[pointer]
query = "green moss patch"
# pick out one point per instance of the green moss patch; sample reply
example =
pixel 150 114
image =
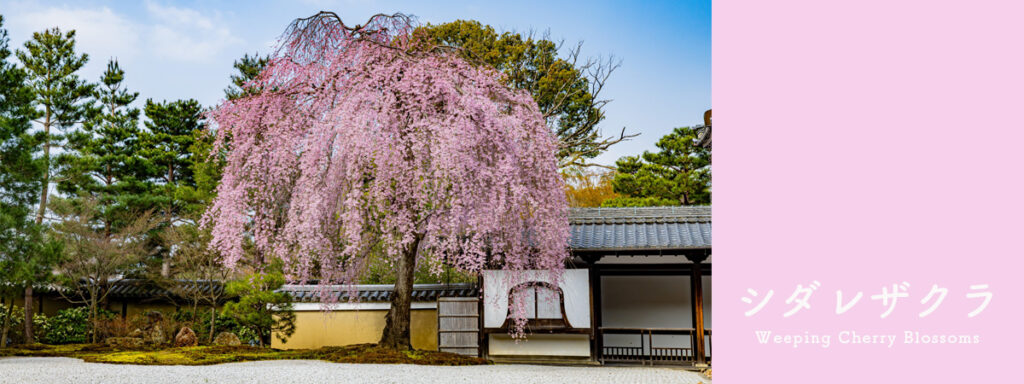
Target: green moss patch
pixel 372 354
pixel 206 355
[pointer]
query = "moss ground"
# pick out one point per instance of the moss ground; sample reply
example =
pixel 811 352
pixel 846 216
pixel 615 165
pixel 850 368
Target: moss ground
pixel 206 355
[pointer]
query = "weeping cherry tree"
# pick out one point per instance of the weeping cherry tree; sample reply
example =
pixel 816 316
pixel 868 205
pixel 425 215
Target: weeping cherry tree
pixel 366 139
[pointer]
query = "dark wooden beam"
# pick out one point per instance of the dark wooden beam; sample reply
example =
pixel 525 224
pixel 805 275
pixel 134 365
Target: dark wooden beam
pixel 697 300
pixel 688 252
pixel 483 341
pixel 591 258
pixel 595 314
pixel 650 269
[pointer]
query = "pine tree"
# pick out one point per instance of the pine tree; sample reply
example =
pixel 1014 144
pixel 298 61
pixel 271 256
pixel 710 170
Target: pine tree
pixel 173 128
pixel 52 63
pixel 248 68
pixel 20 176
pixel 678 174
pixel 108 167
pixel 207 168
pixel 63 100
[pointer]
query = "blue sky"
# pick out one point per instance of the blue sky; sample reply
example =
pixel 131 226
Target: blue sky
pixel 184 49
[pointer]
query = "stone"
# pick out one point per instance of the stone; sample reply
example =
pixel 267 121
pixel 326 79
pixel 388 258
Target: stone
pixel 125 342
pixel 156 335
pixel 227 339
pixel 137 333
pixel 154 316
pixel 186 338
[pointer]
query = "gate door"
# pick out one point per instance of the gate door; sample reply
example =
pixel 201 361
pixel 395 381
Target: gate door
pixel 458 325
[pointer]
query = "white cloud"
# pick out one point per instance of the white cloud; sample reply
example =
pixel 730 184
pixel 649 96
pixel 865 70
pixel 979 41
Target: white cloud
pixel 168 32
pixel 101 32
pixel 186 34
pixel 325 4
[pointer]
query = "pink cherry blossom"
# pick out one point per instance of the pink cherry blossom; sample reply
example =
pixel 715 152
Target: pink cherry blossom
pixel 362 141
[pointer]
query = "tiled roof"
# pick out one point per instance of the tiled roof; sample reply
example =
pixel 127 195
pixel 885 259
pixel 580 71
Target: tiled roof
pixel 132 288
pixel 143 289
pixel 646 228
pixel 380 292
pixel 146 289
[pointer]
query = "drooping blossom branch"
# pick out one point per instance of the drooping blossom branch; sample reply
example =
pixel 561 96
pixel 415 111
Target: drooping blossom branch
pixel 360 139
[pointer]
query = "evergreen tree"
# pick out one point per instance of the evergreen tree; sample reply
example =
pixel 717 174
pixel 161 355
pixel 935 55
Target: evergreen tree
pixel 62 101
pixel 52 65
pixel 248 68
pixel 679 174
pixel 206 168
pixel 173 128
pixel 20 178
pixel 108 167
pixel 20 174
pixel 261 307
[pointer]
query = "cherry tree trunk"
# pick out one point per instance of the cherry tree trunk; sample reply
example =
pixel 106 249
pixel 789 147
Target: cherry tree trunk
pixel 397 328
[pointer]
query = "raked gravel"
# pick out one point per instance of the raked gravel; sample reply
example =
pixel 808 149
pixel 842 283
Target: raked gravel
pixel 59 370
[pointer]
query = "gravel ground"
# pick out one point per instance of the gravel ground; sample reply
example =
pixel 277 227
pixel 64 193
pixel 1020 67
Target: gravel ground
pixel 58 370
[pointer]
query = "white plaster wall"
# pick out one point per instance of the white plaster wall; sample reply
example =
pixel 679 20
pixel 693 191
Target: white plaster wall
pixel 575 285
pixel 650 302
pixel 346 306
pixel 540 345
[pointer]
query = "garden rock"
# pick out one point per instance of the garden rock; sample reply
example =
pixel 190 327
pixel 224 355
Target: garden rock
pixel 227 339
pixel 156 335
pixel 186 338
pixel 154 317
pixel 124 342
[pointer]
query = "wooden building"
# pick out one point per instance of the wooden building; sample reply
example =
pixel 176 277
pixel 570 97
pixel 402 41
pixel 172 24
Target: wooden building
pixel 638 291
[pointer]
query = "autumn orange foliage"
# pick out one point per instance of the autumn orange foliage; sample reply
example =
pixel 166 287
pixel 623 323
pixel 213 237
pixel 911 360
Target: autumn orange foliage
pixel 588 187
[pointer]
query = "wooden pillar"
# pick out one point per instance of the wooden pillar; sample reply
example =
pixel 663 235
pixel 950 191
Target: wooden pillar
pixel 595 313
pixel 697 300
pixel 483 340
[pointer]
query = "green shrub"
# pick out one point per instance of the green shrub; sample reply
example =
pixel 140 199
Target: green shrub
pixel 260 310
pixel 69 326
pixel 39 321
pixel 15 330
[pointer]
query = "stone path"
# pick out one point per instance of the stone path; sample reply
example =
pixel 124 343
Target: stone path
pixel 59 370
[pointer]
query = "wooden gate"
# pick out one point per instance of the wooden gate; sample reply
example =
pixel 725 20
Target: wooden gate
pixel 458 325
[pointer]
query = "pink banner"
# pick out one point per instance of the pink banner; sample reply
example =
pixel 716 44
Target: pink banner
pixel 868 193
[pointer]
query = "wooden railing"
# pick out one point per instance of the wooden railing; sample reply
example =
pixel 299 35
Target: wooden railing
pixel 648 349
